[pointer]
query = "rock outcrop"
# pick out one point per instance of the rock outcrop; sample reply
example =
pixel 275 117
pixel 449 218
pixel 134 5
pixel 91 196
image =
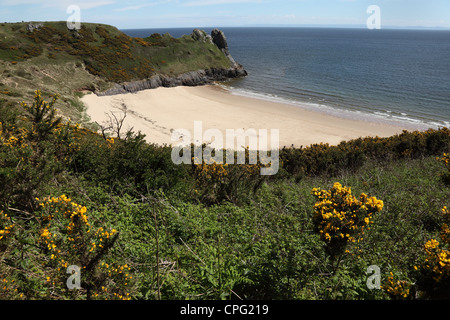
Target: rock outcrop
pixel 219 39
pixel 200 35
pixel 34 26
pixel 192 78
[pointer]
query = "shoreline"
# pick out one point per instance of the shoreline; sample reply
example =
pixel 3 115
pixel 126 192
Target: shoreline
pixel 158 112
pixel 409 124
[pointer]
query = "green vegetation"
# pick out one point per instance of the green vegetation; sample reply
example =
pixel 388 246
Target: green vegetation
pixel 93 58
pixel 140 227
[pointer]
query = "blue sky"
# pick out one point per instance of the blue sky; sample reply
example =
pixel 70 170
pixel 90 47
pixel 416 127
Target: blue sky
pixel 222 13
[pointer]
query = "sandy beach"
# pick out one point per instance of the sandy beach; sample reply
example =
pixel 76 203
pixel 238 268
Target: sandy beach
pixel 159 112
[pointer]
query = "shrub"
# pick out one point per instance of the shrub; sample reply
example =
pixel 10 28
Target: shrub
pixel 434 272
pixel 323 159
pixel 42 116
pixel 67 237
pixel 397 289
pixel 340 218
pixel 218 182
pixel 446 161
pixel 5 225
pixel 127 165
pixel 59 234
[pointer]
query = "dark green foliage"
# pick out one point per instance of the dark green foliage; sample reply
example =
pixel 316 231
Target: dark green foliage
pixel 217 243
pixel 127 165
pixel 349 155
pixel 31 150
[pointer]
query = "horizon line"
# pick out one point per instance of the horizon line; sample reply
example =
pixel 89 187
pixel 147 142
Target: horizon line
pixel 331 26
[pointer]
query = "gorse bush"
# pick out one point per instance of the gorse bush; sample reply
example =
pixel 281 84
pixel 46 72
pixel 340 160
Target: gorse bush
pixel 217 182
pixel 60 235
pixel 67 237
pixel 340 218
pixel 33 149
pixel 445 159
pixel 324 159
pixel 397 289
pixel 6 225
pixel 40 239
pixel 434 271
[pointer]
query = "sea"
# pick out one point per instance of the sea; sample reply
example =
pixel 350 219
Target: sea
pixel 397 76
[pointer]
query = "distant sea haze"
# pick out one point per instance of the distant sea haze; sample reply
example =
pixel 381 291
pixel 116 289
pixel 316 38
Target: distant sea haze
pixel 375 75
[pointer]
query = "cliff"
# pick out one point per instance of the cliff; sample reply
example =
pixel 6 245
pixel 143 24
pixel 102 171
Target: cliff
pixel 191 78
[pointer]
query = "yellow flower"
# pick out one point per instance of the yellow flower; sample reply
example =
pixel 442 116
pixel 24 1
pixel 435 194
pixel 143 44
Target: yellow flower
pixel 431 244
pixel 45 234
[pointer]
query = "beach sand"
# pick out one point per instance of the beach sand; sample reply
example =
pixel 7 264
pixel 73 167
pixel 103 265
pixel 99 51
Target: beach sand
pixel 159 112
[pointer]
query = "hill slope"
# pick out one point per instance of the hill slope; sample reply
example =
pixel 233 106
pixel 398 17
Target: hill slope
pixel 98 57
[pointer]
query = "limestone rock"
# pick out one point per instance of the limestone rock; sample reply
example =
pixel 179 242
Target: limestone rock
pixel 219 39
pixel 34 26
pixel 200 35
pixel 192 78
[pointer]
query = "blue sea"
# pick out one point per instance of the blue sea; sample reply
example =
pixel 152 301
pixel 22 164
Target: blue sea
pixel 375 75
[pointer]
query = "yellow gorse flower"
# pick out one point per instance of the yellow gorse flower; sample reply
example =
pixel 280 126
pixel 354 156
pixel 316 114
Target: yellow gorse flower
pixel 5 225
pixel 437 259
pixel 67 236
pixel 340 217
pixel 74 213
pixel 399 288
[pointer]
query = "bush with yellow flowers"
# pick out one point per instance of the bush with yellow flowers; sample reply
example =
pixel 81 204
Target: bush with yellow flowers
pixel 33 149
pixel 67 238
pixel 5 226
pixel 341 218
pixel 42 115
pixel 397 289
pixel 217 182
pixel 16 163
pixel 434 272
pixel 445 159
pixel 332 159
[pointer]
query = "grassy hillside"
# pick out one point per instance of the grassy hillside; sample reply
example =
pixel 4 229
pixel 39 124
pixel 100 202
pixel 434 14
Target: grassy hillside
pixel 58 60
pixel 140 227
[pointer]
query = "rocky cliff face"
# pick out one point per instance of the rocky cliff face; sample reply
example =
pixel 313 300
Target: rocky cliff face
pixel 219 39
pixel 193 78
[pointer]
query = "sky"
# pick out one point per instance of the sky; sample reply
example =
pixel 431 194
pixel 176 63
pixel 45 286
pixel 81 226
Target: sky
pixel 134 14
